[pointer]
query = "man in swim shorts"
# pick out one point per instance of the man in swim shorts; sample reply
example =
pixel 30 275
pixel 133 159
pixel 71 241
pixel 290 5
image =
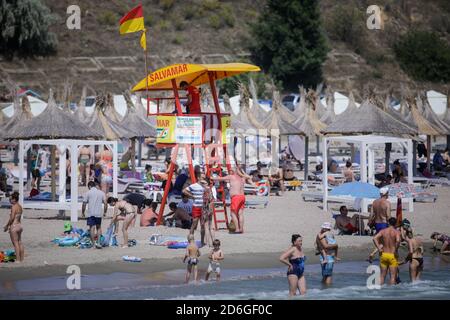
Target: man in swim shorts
pixel 236 180
pixel 387 242
pixel 381 210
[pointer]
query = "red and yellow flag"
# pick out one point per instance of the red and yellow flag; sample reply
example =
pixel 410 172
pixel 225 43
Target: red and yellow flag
pixel 133 21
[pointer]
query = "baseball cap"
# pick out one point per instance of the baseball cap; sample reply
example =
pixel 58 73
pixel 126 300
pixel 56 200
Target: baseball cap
pixel 326 225
pixel 406 223
pixel 384 190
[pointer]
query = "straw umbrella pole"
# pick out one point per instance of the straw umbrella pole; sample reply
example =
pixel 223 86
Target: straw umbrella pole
pixel 80 112
pixel 310 125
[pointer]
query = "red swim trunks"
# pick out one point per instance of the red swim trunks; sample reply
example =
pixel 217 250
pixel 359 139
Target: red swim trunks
pixel 196 212
pixel 237 203
pixel 351 228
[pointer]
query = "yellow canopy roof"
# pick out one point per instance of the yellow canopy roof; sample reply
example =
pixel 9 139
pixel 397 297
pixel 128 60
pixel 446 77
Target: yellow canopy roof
pixel 194 74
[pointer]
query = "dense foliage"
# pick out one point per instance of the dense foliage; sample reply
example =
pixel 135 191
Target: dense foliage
pixel 24 28
pixel 289 43
pixel 424 56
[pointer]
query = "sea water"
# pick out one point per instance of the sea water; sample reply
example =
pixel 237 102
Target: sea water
pixel 349 282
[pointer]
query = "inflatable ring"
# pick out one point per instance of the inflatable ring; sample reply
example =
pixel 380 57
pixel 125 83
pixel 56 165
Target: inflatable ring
pixel 262 188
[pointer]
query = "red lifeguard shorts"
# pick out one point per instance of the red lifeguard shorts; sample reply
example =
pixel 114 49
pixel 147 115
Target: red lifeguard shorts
pixel 237 203
pixel 196 212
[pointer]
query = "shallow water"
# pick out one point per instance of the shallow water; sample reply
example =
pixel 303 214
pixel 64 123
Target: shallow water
pixel 349 282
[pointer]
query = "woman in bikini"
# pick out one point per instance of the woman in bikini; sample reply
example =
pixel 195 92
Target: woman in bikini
pixel 84 160
pixel 15 227
pixel 415 254
pixel 207 211
pixel 294 258
pixel 123 211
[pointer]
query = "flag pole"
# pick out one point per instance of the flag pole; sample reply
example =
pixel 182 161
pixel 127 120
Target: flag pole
pixel 146 86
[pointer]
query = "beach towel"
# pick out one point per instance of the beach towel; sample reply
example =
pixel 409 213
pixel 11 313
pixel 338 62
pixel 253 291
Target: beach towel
pixel 160 240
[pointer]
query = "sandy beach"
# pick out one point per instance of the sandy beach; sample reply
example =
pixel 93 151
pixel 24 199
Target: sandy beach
pixel 268 231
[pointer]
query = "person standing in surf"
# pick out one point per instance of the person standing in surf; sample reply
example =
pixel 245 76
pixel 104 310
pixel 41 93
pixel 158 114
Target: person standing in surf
pixel 328 248
pixel 294 258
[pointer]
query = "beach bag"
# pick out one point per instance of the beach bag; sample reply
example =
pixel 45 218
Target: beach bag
pixel 109 238
pixel 231 226
pixel 85 243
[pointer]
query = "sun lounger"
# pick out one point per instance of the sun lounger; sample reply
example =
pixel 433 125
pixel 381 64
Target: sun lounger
pixel 126 185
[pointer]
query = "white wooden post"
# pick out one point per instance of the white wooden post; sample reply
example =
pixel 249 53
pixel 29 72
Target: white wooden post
pixel 62 148
pixel 115 167
pixel 325 175
pixel 21 169
pixel 74 182
pixel 363 161
pixel 410 161
pixel 371 165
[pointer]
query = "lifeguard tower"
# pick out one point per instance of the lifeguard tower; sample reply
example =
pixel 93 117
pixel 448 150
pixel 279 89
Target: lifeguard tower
pixel 206 130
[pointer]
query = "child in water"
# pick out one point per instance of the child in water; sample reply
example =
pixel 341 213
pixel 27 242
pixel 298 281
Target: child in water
pixel 192 254
pixel 215 257
pixel 321 250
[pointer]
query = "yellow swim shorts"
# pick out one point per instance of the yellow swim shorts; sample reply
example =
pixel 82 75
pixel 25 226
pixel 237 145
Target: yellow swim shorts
pixel 388 260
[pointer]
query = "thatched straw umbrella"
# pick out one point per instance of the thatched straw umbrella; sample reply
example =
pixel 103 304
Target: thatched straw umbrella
pixel 282 111
pixel 80 112
pixel 368 119
pixel 245 121
pixel 329 115
pixel 101 123
pixel 430 115
pixel 53 123
pixel 300 110
pixel 138 124
pixel 256 109
pixel 310 125
pixel 22 112
pixel 110 109
pixel 417 119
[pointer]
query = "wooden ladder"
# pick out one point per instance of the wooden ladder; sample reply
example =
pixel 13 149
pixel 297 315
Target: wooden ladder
pixel 220 205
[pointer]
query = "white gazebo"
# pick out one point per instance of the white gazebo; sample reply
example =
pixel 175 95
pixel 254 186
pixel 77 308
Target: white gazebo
pixel 64 145
pixel 367 158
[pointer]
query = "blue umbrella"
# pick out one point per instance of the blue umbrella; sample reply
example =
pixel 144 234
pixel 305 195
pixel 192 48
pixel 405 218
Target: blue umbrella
pixel 357 190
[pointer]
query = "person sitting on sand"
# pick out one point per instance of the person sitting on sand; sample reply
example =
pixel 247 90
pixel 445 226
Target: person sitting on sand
pixel 348 172
pixel 14 226
pixel 148 173
pixel 397 174
pixel 276 180
pixel 123 211
pixel 328 248
pixel 385 182
pixel 192 254
pixel 436 236
pixel 256 174
pixel 149 216
pixel 215 256
pixel 347 225
pixel 294 258
pixel 181 217
pixel 186 204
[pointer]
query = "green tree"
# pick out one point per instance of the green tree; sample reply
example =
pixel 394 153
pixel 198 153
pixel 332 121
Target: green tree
pixel 424 56
pixel 289 43
pixel 24 29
